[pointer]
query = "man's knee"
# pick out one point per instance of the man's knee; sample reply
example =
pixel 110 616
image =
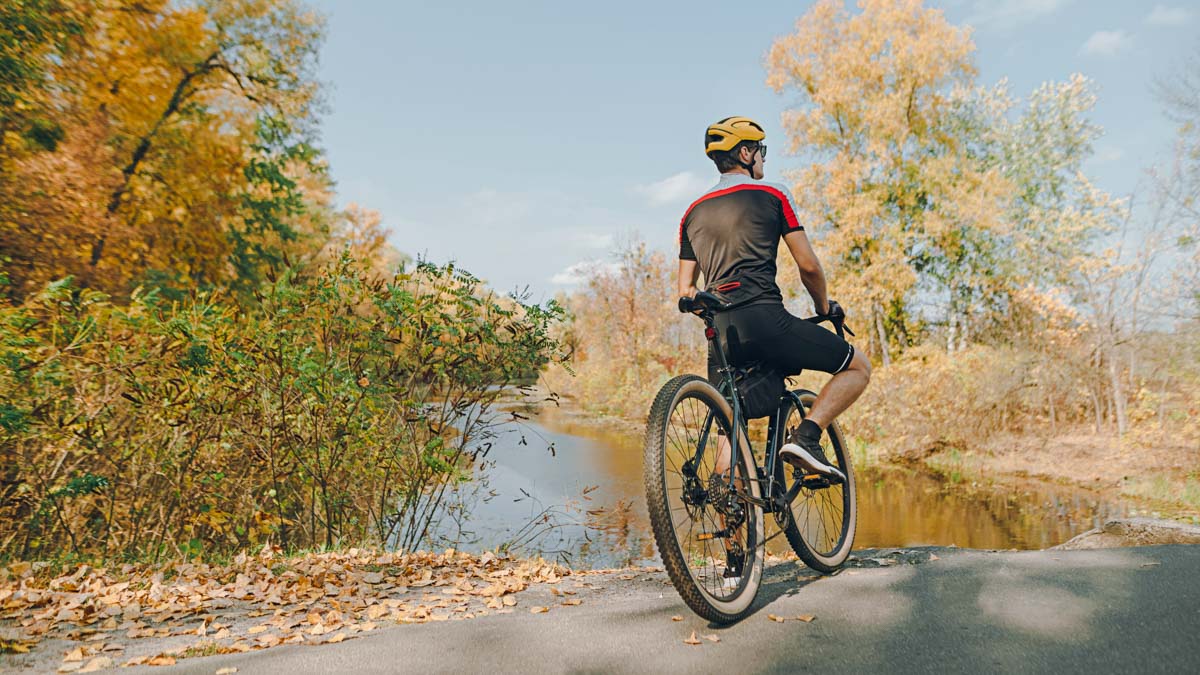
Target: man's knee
pixel 860 363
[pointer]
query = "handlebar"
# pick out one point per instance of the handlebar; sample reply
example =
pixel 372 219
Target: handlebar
pixel 705 304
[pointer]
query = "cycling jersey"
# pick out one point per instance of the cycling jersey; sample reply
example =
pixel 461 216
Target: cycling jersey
pixel 733 234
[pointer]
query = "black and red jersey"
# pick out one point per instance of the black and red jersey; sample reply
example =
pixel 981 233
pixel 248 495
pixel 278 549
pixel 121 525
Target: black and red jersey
pixel 733 234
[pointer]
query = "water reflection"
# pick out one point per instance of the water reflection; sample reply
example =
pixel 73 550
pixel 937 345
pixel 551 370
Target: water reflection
pixel 584 501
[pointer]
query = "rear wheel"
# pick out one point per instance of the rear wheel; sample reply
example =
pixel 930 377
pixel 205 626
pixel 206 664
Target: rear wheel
pixel 700 526
pixel 822 518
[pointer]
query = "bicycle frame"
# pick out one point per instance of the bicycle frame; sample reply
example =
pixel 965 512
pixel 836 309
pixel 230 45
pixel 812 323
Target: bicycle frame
pixel 775 431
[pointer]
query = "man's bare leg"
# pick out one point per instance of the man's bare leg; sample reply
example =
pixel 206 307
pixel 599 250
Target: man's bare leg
pixel 724 450
pixel 841 390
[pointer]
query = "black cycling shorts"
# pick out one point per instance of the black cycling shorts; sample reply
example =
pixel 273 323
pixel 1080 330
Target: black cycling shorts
pixel 768 333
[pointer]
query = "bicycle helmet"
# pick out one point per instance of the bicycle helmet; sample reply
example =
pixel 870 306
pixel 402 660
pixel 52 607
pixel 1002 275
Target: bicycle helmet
pixel 725 135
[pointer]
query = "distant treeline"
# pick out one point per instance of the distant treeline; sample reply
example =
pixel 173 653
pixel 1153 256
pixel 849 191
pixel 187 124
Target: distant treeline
pixel 995 284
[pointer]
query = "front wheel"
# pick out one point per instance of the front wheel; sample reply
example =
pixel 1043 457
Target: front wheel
pixel 710 537
pixel 822 518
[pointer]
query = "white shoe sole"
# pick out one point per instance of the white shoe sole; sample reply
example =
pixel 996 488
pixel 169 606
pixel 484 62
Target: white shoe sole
pixel 798 456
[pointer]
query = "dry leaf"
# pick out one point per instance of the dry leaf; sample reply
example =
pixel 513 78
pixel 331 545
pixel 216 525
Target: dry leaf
pixel 677 618
pixel 98 663
pixel 510 601
pixel 933 556
pixel 70 667
pixel 376 611
pixel 261 628
pixel 572 602
pixel 538 610
pixel 336 638
pixel 227 670
pixel 712 638
pixel 161 660
pixel 778 619
pixel 806 618
pixel 74 655
pixel 692 640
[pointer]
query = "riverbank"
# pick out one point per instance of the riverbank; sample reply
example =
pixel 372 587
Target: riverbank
pixel 1150 474
pixel 1161 478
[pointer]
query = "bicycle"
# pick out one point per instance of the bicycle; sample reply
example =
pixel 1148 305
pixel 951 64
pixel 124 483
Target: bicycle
pixel 816 514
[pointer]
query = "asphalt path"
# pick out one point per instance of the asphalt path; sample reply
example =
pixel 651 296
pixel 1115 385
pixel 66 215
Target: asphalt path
pixel 914 610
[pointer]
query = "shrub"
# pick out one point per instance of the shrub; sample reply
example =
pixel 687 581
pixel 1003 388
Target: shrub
pixel 339 411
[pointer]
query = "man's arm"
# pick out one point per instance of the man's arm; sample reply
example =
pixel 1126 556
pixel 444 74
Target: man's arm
pixel 811 272
pixel 689 271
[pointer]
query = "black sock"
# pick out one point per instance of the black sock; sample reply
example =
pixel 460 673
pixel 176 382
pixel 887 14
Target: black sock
pixel 810 430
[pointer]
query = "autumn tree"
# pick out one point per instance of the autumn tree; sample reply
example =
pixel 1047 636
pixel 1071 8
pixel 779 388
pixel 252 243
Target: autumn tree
pixel 892 191
pixel 182 128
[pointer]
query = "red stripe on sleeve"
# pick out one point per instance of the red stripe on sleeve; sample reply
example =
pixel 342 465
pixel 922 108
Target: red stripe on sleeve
pixel 786 205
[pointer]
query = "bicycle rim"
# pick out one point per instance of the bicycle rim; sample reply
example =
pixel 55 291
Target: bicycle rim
pixel 823 519
pixel 690 510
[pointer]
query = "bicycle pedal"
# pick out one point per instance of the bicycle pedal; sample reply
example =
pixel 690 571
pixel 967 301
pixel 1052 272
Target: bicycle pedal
pixel 707 536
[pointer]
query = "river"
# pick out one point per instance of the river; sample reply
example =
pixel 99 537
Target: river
pixel 573 491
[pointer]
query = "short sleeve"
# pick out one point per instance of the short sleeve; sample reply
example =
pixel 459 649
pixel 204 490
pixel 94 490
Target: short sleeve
pixel 789 219
pixel 685 244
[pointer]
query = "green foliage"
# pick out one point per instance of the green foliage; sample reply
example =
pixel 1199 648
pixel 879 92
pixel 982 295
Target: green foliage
pixel 338 412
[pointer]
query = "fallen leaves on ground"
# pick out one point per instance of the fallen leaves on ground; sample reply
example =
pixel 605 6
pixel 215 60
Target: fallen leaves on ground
pixel 712 638
pixel 806 618
pixel 312 599
pixel 778 619
pixel 677 618
pixel 692 640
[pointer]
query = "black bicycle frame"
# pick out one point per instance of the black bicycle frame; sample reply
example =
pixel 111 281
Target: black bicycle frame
pixel 775 430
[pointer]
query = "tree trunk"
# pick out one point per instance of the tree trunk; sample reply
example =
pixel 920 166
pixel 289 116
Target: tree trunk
pixel 1118 397
pixel 881 332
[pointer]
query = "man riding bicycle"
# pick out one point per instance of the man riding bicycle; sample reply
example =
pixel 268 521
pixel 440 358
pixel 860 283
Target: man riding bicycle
pixel 731 235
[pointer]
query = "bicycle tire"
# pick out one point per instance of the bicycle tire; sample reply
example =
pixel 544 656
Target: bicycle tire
pixel 693 585
pixel 814 542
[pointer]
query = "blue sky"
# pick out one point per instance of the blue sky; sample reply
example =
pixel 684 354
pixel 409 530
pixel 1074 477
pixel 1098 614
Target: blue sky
pixel 523 138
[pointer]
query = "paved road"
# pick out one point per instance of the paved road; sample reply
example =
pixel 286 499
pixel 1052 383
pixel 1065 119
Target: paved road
pixel 1127 610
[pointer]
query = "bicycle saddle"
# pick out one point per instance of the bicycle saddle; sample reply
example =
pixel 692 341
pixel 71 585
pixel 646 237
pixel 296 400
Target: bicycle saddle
pixel 704 302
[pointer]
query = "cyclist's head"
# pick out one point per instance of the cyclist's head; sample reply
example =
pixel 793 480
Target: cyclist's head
pixel 736 142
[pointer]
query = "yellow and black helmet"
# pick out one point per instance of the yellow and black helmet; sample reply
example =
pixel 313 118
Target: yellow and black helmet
pixel 726 134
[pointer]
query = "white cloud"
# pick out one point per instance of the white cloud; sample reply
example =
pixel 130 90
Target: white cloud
pixel 1106 43
pixel 1162 15
pixel 580 271
pixel 1008 13
pixel 682 186
pixel 1109 153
